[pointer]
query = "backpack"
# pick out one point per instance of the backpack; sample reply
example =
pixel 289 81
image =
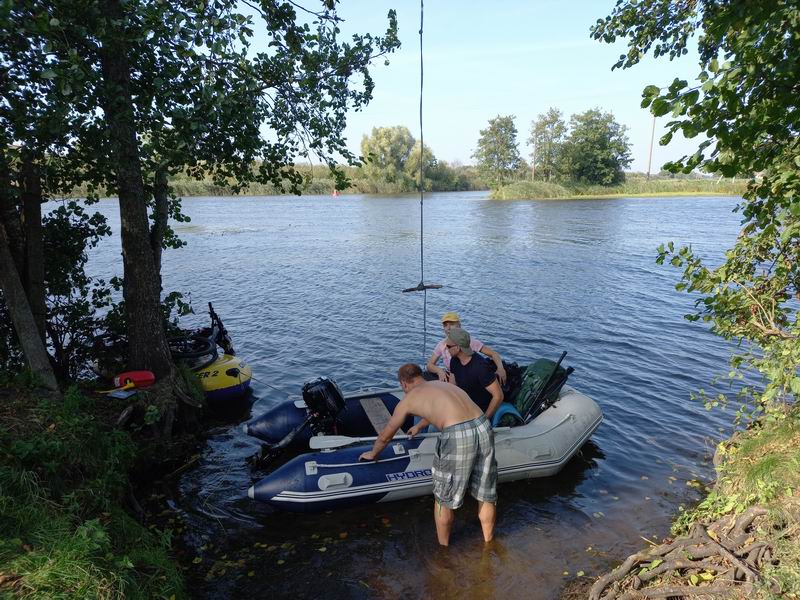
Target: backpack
pixel 529 399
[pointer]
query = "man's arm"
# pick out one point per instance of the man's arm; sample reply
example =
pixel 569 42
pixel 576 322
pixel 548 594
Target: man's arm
pixel 432 368
pixel 385 436
pixel 497 397
pixel 497 360
pixel 423 423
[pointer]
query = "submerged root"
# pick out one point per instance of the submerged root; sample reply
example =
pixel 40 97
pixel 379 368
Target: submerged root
pixel 722 559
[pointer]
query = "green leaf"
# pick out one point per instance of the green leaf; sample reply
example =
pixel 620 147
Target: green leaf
pixel 651 90
pixel 660 107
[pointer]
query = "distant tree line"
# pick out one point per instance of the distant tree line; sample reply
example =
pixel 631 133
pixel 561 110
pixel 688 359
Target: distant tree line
pixel 591 150
pixel 392 160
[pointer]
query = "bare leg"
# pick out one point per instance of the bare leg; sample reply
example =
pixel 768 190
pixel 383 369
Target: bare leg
pixel 443 517
pixel 487 513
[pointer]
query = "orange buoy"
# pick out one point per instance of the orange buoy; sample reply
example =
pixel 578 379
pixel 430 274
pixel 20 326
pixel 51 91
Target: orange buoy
pixel 139 379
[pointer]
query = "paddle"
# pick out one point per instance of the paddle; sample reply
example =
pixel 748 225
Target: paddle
pixel 325 442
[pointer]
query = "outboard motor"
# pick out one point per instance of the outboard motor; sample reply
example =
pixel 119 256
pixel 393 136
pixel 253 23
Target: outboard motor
pixel 325 401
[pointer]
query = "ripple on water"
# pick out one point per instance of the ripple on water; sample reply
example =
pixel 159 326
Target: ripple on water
pixel 311 286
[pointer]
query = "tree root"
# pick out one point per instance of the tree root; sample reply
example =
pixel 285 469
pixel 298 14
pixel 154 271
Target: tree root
pixel 720 560
pixel 683 591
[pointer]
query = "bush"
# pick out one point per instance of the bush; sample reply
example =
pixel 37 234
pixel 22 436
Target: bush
pixel 64 532
pixel 532 190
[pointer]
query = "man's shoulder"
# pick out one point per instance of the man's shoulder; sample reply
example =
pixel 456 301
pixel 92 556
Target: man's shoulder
pixel 439 348
pixel 424 389
pixel 480 362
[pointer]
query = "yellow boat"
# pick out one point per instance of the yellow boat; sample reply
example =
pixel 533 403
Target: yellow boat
pixel 223 376
pixel 226 378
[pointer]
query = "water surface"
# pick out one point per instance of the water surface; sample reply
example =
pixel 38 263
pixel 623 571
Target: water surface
pixel 312 286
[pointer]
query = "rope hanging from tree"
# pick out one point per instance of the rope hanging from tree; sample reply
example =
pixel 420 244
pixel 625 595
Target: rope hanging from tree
pixel 422 286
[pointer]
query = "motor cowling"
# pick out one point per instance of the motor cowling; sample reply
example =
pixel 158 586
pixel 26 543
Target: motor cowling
pixel 325 401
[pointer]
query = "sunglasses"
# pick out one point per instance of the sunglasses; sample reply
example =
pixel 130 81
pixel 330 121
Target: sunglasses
pixel 451 346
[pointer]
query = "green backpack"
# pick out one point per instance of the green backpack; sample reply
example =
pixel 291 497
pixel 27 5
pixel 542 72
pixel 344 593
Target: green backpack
pixel 533 381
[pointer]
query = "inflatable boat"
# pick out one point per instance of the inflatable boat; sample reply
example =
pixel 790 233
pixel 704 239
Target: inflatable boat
pixel 338 430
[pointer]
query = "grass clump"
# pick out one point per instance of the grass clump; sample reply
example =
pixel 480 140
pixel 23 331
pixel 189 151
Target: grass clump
pixel 65 534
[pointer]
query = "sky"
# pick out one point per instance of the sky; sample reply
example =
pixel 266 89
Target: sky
pixel 484 59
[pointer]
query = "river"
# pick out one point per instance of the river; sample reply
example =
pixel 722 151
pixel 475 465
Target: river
pixel 312 286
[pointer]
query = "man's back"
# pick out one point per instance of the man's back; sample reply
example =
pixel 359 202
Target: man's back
pixel 442 404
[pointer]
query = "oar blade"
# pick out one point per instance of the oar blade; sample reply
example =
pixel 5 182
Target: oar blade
pixel 325 442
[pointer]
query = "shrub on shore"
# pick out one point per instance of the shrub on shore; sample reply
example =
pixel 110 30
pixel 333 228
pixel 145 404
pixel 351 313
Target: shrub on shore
pixel 63 475
pixel 534 190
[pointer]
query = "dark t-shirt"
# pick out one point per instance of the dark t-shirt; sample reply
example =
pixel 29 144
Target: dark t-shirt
pixel 474 377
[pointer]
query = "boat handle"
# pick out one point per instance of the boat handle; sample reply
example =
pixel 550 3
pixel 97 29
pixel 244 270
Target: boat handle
pixel 568 417
pixel 360 463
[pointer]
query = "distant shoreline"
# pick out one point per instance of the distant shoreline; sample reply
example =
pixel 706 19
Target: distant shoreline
pixel 632 188
pixel 623 195
pixel 521 190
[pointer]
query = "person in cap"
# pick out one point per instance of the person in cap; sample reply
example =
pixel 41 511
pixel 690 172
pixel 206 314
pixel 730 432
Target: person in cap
pixel 451 319
pixel 473 373
pixel 464 457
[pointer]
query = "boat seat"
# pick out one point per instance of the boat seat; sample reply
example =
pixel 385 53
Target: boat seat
pixel 376 412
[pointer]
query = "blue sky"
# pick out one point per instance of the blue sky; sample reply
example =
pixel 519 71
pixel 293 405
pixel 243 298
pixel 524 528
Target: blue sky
pixel 484 59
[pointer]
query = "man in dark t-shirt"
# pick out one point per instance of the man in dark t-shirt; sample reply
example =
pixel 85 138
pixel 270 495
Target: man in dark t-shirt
pixel 473 373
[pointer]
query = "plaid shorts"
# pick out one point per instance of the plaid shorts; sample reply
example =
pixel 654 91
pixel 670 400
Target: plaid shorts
pixel 465 457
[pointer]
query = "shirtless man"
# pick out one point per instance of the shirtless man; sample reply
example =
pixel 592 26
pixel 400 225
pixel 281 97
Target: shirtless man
pixel 464 456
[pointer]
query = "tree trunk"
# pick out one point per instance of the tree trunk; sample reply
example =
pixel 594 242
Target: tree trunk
pixel 21 316
pixel 9 213
pixel 34 243
pixel 146 336
pixel 161 215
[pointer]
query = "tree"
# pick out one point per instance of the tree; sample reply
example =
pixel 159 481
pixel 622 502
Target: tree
pixel 497 154
pixel 386 151
pixel 745 102
pixel 24 322
pixel 436 177
pixel 151 88
pixel 596 150
pixel 546 140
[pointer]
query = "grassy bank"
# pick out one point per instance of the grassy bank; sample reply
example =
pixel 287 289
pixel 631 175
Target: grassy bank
pixel 64 532
pixel 743 539
pixel 539 190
